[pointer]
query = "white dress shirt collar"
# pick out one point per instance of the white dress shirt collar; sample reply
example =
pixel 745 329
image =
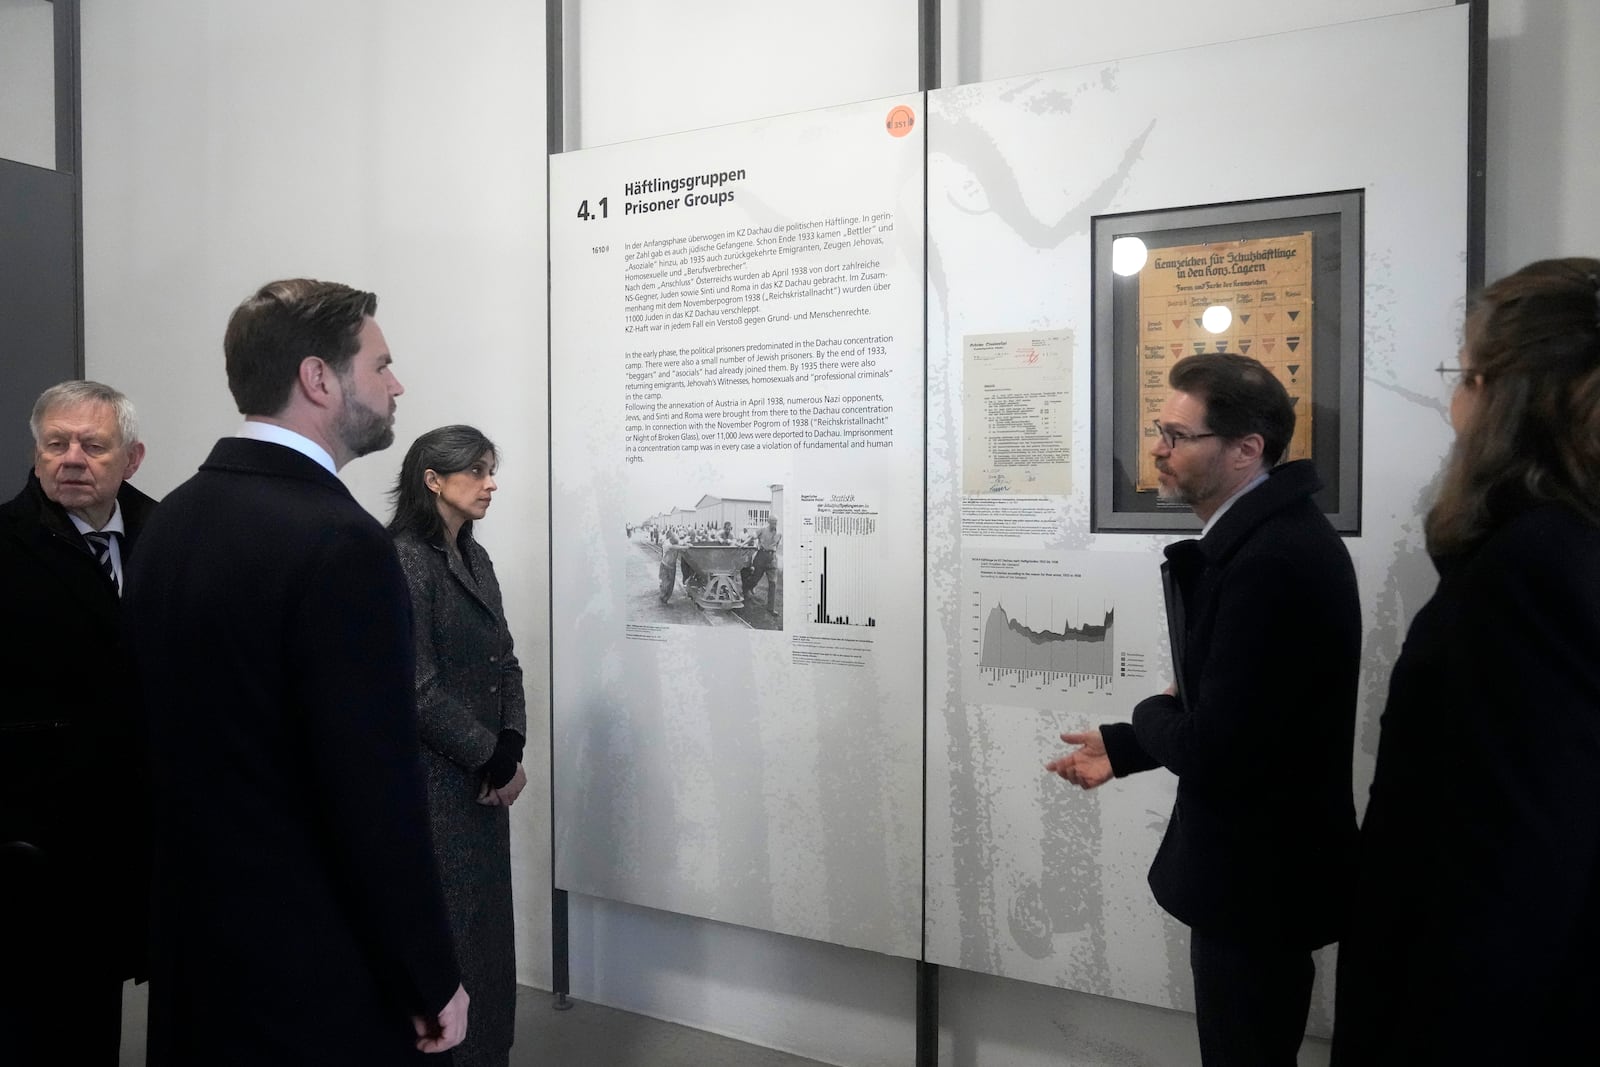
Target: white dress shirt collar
pixel 279 435
pixel 113 524
pixel 1228 503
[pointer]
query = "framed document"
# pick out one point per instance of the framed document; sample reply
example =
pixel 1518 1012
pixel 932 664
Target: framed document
pixel 1278 280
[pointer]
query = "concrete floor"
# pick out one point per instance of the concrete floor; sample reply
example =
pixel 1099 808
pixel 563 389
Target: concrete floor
pixel 586 1035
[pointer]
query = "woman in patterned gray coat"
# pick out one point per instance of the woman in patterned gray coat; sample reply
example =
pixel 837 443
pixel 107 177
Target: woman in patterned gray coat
pixel 471 715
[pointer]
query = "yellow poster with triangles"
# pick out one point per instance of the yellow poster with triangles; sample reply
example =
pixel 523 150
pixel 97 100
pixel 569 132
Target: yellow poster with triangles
pixel 1263 285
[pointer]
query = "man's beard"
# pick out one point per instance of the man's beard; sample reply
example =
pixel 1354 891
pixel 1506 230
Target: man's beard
pixel 362 430
pixel 1201 486
pixel 1170 492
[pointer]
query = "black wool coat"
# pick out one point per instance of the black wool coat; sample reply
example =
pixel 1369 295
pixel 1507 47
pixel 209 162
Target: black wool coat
pixel 1477 920
pixel 298 916
pixel 1266 630
pixel 71 756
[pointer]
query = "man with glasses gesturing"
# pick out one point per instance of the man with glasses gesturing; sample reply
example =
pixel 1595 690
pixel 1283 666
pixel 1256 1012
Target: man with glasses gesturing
pixel 1260 720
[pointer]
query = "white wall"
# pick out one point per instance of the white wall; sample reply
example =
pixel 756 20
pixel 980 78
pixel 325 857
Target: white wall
pixel 639 69
pixel 398 145
pixel 27 82
pixel 395 145
pixel 988 39
pixel 1544 157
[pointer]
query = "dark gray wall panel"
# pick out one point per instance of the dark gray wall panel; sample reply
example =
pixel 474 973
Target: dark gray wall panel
pixel 39 319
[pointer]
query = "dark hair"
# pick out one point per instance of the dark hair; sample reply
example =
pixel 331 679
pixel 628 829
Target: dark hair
pixel 1242 397
pixel 444 451
pixel 272 332
pixel 1533 356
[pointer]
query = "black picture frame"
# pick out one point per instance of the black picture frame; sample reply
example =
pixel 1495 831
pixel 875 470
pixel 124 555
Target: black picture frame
pixel 1336 223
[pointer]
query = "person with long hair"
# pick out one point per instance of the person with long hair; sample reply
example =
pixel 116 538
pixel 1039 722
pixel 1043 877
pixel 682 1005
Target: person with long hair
pixel 1477 916
pixel 471 715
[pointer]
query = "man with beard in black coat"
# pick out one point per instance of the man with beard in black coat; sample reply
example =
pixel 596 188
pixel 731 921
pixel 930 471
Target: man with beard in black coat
pixel 298 914
pixel 1259 724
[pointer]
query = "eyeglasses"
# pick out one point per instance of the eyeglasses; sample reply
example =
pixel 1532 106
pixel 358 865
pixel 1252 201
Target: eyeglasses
pixel 1173 438
pixel 1456 375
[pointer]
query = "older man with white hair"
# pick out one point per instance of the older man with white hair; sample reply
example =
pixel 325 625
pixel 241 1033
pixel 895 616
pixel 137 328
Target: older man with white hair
pixel 73 868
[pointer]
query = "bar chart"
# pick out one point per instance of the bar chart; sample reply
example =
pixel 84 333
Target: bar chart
pixel 839 559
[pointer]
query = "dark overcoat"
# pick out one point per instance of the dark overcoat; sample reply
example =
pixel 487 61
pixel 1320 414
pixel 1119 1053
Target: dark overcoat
pixel 1477 922
pixel 1266 629
pixel 71 781
pixel 469 688
pixel 298 916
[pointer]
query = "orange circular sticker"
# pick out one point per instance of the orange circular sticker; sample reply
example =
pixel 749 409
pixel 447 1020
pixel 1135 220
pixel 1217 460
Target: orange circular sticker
pixel 901 119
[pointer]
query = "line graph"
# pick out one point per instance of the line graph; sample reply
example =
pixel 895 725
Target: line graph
pixel 1083 652
pixel 1071 631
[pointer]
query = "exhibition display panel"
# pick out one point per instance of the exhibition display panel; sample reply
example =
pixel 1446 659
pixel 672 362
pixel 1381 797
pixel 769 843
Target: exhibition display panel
pixel 1267 175
pixel 736 426
pixel 850 511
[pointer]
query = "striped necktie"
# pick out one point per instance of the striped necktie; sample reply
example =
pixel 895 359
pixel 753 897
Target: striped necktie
pixel 100 542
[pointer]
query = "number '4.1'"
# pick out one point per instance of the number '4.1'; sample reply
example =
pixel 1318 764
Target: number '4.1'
pixel 585 214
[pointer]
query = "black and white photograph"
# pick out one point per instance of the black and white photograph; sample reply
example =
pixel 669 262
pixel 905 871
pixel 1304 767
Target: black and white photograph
pixel 705 549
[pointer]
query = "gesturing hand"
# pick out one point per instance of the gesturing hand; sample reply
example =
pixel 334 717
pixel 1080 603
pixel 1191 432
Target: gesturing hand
pixel 1086 766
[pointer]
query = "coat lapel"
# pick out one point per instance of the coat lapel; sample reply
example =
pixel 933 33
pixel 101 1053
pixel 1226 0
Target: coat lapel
pixel 1183 564
pixel 464 578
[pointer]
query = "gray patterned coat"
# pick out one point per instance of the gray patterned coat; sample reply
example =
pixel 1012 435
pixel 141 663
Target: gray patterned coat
pixel 469 688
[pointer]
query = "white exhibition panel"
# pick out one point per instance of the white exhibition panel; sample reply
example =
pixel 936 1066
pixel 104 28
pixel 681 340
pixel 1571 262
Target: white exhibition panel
pixel 738 346
pixel 1028 877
